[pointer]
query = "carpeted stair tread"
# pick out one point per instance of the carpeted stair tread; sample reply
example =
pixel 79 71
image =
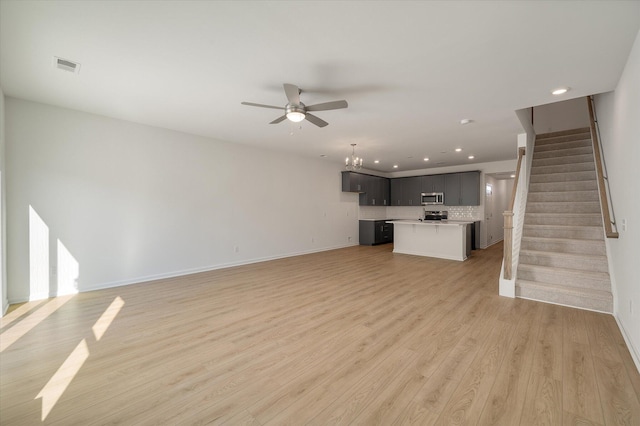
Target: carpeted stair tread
pixel 564 207
pixel 567 159
pixel 578 185
pixel 563 176
pixel 563 151
pixel 575 232
pixel 584 262
pixel 564 276
pixel 564 245
pixel 585 298
pixel 553 196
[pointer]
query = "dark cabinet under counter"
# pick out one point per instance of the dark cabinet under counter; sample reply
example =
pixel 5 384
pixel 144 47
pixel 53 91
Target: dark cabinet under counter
pixel 374 232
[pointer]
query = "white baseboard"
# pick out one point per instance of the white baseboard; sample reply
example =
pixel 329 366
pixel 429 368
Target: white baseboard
pixel 174 274
pixel 632 350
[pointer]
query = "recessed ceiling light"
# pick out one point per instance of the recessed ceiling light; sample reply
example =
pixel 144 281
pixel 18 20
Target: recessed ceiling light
pixel 560 91
pixel 466 121
pixel 458 149
pixel 471 157
pixel 426 158
pixel 395 166
pixel 376 161
pixel 323 155
pixel 512 176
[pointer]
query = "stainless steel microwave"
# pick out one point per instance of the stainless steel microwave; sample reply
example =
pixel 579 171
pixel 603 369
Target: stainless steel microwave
pixel 429 198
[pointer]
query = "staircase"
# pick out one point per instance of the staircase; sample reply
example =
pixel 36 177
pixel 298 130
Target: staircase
pixel 563 258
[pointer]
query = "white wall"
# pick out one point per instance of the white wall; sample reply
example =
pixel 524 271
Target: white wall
pixel 495 205
pixel 94 202
pixel 558 116
pixel 4 301
pixel 618 116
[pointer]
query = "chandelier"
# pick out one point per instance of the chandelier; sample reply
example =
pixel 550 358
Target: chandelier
pixel 353 162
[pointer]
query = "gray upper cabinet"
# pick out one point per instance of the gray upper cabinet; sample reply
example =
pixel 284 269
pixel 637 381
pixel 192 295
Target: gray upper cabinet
pixel 412 191
pixel 433 183
pixel 374 190
pixel 351 182
pixel 470 188
pixel 396 191
pixel 452 190
pixel 460 189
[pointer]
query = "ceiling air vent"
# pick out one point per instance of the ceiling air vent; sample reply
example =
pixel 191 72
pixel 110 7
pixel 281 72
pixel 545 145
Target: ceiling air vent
pixel 66 65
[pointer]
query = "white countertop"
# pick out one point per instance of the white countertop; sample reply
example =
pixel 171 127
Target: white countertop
pixel 430 222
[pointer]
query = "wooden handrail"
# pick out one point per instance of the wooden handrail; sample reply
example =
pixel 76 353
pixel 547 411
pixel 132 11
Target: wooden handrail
pixel 508 221
pixel 604 202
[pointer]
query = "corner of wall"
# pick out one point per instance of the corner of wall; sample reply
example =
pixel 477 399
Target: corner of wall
pixel 3 227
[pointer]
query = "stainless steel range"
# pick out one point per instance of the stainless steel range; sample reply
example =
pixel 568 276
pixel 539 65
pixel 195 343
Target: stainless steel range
pixel 436 215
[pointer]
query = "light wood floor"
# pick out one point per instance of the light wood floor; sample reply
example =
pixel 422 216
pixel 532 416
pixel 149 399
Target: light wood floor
pixel 351 336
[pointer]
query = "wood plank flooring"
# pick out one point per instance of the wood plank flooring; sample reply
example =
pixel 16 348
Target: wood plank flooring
pixel 351 336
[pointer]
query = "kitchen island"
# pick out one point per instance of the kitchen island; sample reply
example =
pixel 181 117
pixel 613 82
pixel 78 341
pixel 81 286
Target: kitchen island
pixel 442 239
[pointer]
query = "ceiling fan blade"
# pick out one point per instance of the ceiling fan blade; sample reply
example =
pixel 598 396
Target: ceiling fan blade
pixel 327 106
pixel 316 120
pixel 261 105
pixel 293 93
pixel 279 120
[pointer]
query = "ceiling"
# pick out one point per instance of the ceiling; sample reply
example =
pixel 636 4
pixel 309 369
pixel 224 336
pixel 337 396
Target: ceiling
pixel 409 70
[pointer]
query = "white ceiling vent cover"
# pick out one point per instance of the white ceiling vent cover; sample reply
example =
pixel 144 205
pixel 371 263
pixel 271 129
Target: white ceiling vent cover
pixel 66 65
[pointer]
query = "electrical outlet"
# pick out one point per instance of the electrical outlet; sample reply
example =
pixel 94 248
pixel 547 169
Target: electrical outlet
pixel 236 249
pixel 313 240
pixel 624 224
pixel 349 239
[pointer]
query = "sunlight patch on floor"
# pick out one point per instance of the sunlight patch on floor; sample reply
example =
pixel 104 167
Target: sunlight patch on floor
pixel 107 317
pixel 13 334
pixel 18 312
pixel 55 387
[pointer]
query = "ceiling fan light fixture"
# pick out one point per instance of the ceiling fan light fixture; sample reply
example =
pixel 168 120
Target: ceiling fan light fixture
pixel 295 116
pixel 295 113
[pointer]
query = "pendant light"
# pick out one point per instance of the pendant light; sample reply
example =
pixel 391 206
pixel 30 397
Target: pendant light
pixel 353 163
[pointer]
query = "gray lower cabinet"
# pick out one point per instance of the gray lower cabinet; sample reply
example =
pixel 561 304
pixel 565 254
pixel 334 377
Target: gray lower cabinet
pixel 374 232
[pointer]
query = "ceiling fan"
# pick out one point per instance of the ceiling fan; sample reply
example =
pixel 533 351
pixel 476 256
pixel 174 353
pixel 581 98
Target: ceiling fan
pixel 296 111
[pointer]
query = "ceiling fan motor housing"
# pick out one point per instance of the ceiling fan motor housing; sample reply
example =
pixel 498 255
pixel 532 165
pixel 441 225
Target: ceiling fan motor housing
pixel 295 108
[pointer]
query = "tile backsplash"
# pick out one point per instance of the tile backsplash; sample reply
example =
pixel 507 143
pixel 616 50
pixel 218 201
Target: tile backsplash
pixel 455 212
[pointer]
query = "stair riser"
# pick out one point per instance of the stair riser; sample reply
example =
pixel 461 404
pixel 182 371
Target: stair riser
pixel 561 153
pixel 581 185
pixel 582 264
pixel 542 139
pixel 567 220
pixel 569 159
pixel 563 177
pixel 545 147
pixel 603 305
pixel 563 168
pixel 558 207
pixel 584 233
pixel 566 196
pixel 565 279
pixel 576 247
